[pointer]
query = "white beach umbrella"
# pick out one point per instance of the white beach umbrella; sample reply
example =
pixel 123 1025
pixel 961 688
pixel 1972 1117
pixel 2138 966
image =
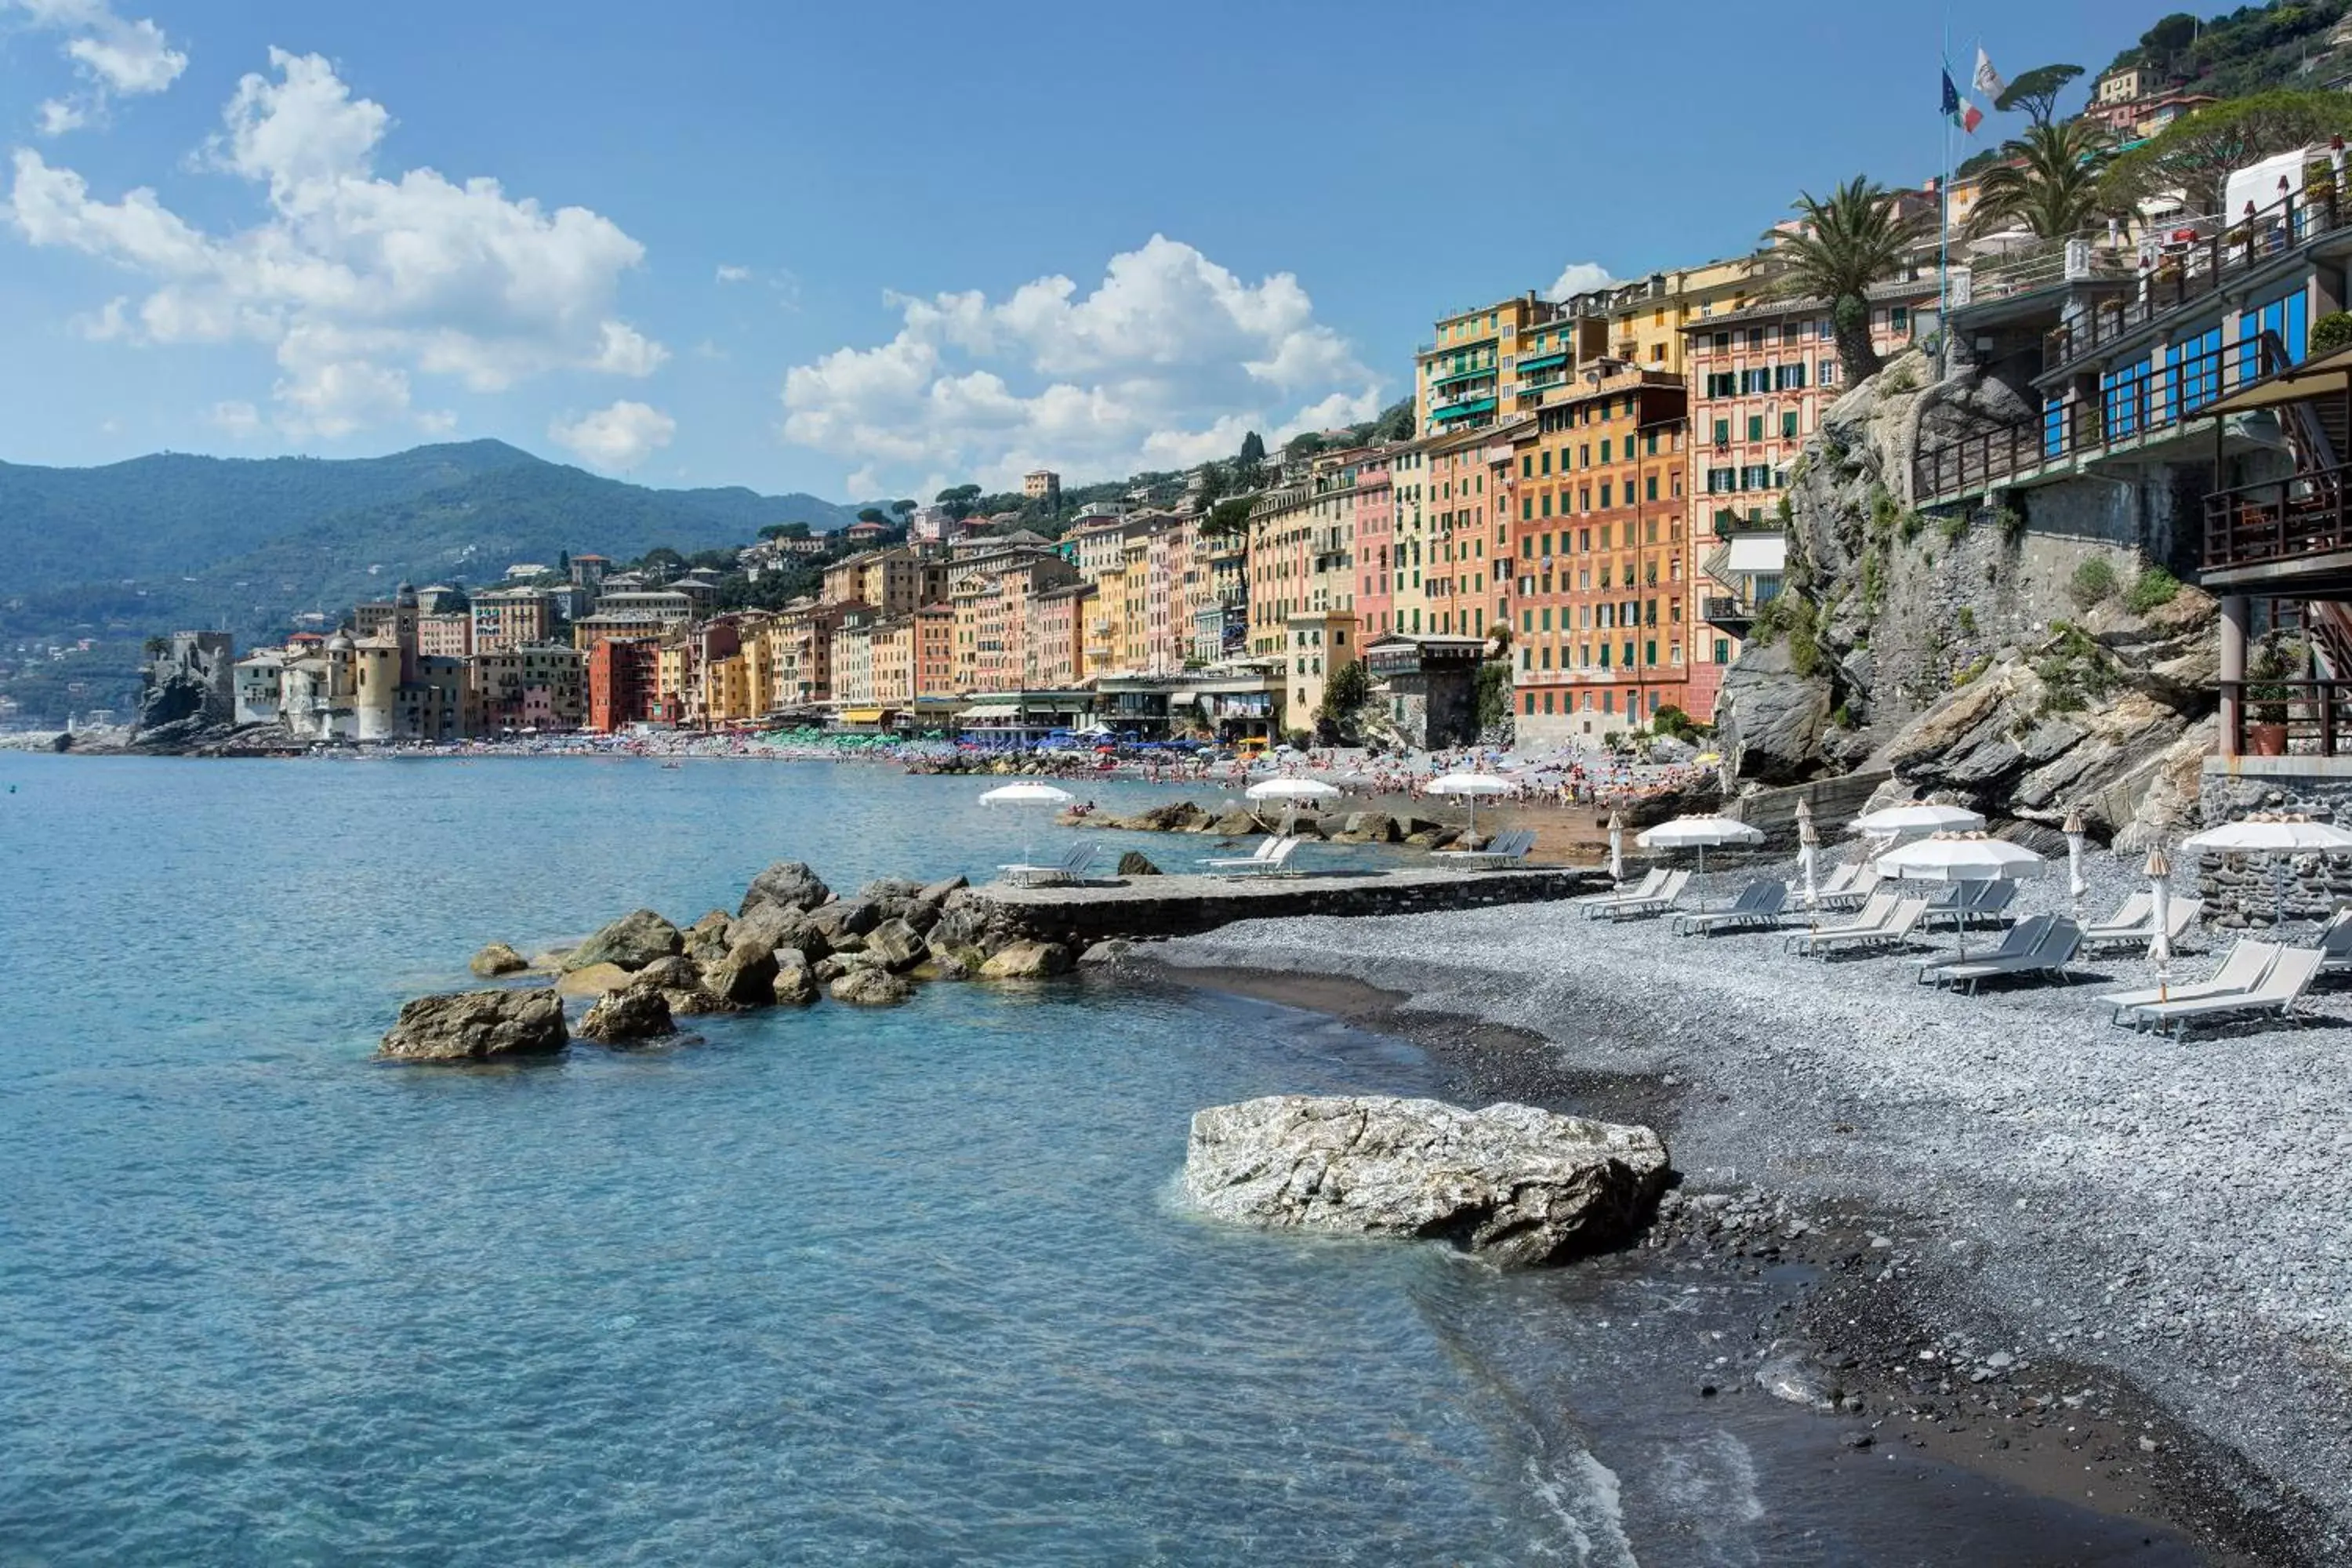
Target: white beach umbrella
pixel 2277 836
pixel 2075 886
pixel 1916 817
pixel 1960 857
pixel 1697 832
pixel 2159 901
pixel 1470 787
pixel 1291 792
pixel 1808 852
pixel 1616 847
pixel 1028 793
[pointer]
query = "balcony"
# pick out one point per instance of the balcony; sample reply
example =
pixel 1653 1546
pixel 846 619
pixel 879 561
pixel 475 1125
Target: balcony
pixel 2288 718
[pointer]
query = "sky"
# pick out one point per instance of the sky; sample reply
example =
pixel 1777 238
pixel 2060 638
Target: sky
pixel 876 250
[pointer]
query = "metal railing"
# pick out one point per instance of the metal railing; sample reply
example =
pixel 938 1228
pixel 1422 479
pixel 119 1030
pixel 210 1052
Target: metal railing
pixel 2303 514
pixel 2151 398
pixel 2299 717
pixel 2185 273
pixel 1724 610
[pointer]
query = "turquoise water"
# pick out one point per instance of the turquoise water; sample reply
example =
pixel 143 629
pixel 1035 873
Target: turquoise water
pixel 900 1287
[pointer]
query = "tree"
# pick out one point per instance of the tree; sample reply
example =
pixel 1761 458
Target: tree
pixel 959 499
pixel 1228 519
pixel 2048 180
pixel 564 560
pixel 2036 91
pixel 1855 238
pixel 903 509
pixel 662 561
pixel 1344 696
pixel 2162 44
pixel 1252 449
pixel 873 514
pixel 786 530
pixel 2196 153
pixel 1306 444
pixel 1214 483
pixel 1395 423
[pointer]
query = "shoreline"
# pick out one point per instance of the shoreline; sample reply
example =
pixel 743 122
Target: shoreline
pixel 2031 1427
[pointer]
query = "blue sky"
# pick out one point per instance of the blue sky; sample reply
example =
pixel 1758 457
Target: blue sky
pixel 872 249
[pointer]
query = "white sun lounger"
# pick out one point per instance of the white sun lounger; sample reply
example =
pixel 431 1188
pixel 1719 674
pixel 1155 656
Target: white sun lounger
pixel 1651 880
pixel 1896 929
pixel 2134 925
pixel 1875 915
pixel 1265 847
pixel 1069 868
pixel 2243 968
pixel 1859 891
pixel 2290 976
pixel 1274 864
pixel 1669 893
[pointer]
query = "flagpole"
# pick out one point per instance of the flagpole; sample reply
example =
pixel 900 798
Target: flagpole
pixel 1943 230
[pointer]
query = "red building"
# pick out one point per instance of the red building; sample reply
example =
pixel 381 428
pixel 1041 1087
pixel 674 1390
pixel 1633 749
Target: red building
pixel 621 680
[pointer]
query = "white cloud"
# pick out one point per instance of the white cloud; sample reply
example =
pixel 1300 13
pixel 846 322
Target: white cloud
pixel 358 282
pixel 1578 278
pixel 733 274
pixel 239 421
pixel 1166 362
pixel 114 56
pixel 617 438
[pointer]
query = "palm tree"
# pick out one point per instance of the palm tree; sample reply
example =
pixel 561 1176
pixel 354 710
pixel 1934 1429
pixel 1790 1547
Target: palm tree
pixel 1859 236
pixel 2047 181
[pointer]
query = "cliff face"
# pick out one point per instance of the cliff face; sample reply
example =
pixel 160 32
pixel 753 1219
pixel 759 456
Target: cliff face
pixel 2027 656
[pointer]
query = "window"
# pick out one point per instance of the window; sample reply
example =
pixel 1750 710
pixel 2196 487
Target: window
pixel 1756 427
pixel 1788 377
pixel 1604 495
pixel 1899 318
pixel 1531 702
pixel 1649 490
pixel 1788 424
pixel 1723 432
pixel 1753 381
pixel 1827 371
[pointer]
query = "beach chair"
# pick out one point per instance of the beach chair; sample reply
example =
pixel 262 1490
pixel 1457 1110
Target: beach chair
pixel 1873 915
pixel 1276 864
pixel 2290 975
pixel 1668 895
pixel 1896 929
pixel 1266 849
pixel 1967 904
pixel 2243 968
pixel 2134 925
pixel 1069 868
pixel 2336 943
pixel 2020 940
pixel 1651 880
pixel 1857 892
pixel 1840 879
pixel 1501 850
pixel 2054 945
pixel 1759 903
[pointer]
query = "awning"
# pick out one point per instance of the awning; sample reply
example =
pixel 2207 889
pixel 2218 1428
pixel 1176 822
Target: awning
pixel 1758 553
pixel 1464 410
pixel 1542 361
pixel 861 715
pixel 990 710
pixel 2329 373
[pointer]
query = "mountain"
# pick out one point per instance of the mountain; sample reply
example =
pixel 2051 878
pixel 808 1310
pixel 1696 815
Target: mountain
pixel 174 541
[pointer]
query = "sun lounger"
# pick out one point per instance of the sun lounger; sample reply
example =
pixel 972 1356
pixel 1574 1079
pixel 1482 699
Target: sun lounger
pixel 2134 925
pixel 1651 880
pixel 1274 864
pixel 1873 915
pixel 1501 850
pixel 2291 974
pixel 2243 968
pixel 1970 903
pixel 1893 931
pixel 2054 948
pixel 2336 943
pixel 1855 893
pixel 1669 893
pixel 1840 879
pixel 1758 904
pixel 1265 847
pixel 2020 940
pixel 1069 868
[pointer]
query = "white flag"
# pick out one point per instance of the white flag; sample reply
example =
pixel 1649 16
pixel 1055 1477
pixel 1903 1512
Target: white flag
pixel 1987 82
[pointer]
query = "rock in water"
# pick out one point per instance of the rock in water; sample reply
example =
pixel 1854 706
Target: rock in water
pixel 936 892
pixel 640 1012
pixel 787 882
pixel 1136 863
pixel 1511 1183
pixel 795 982
pixel 476 1027
pixel 634 940
pixel 708 939
pixel 898 945
pixel 871 988
pixel 1027 961
pixel 746 976
pixel 498 959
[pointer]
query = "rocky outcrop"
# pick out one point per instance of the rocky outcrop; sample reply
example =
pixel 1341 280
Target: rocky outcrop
pixel 870 988
pixel 496 959
pixel 1769 719
pixel 936 893
pixel 708 939
pixel 1027 961
pixel 634 940
pixel 897 946
pixel 795 984
pixel 640 1012
pixel 1136 863
pixel 1511 1183
pixel 476 1027
pixel 787 882
pixel 593 981
pixel 746 976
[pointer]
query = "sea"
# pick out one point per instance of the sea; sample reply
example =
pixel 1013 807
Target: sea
pixel 823 1286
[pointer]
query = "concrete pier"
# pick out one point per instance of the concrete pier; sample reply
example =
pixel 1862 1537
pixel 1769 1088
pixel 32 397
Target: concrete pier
pixel 1139 909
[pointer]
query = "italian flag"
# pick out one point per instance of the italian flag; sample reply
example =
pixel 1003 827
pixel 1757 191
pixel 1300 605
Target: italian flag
pixel 1958 110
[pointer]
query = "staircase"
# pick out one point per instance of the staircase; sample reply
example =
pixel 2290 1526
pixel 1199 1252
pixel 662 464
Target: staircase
pixel 2328 623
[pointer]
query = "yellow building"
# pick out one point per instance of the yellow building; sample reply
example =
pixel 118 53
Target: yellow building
pixel 1467 377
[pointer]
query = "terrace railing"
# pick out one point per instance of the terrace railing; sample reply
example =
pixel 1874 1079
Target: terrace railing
pixel 2301 718
pixel 2302 515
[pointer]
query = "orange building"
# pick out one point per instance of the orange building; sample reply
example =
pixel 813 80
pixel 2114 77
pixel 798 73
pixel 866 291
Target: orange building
pixel 1598 551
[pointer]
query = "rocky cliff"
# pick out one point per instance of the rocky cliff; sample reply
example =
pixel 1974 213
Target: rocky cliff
pixel 2027 654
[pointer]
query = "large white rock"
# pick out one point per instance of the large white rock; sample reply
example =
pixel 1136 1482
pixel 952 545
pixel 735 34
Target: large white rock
pixel 1512 1183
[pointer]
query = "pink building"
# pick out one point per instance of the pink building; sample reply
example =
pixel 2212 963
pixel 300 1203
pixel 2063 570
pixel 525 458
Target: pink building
pixel 1375 545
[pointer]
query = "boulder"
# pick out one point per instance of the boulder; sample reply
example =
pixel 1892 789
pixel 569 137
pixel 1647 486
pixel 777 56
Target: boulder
pixel 688 1001
pixel 708 939
pixel 1511 1183
pixel 634 940
pixel 1105 954
pixel 746 976
pixel 1235 824
pixel 1136 863
pixel 1370 826
pixel 941 966
pixel 676 972
pixel 898 945
pixel 476 1027
pixel 1769 719
pixel 835 921
pixel 871 988
pixel 780 926
pixel 787 882
pixel 498 959
pixel 1027 961
pixel 827 970
pixel 936 893
pixel 593 981
pixel 795 984
pixel 640 1012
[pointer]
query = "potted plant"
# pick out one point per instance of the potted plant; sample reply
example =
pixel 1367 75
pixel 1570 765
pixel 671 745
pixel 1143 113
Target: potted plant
pixel 2266 699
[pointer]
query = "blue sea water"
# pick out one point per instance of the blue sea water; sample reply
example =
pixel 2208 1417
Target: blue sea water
pixel 828 1286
